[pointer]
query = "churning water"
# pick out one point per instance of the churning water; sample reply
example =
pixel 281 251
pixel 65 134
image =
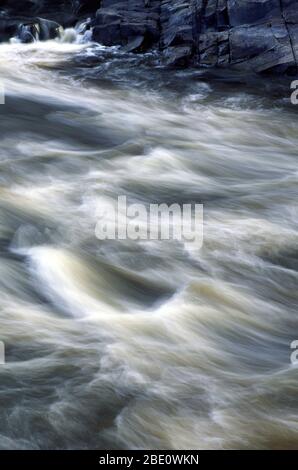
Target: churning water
pixel 149 344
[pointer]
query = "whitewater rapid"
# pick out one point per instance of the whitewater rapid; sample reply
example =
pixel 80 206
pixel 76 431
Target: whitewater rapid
pixel 147 344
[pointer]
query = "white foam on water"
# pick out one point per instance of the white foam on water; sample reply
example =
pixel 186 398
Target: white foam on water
pixel 143 344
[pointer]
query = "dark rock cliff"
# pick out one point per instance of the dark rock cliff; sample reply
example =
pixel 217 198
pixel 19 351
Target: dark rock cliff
pixel 258 35
pixel 254 35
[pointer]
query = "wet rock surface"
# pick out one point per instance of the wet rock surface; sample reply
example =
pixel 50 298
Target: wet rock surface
pixel 253 35
pixel 258 35
pixel 40 19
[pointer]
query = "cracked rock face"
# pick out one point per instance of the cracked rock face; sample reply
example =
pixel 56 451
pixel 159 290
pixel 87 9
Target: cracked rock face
pixel 254 35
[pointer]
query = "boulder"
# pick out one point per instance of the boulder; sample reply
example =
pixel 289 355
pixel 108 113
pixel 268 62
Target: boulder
pixel 21 17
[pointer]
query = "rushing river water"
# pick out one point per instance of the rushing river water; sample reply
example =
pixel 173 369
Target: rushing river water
pixel 145 344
